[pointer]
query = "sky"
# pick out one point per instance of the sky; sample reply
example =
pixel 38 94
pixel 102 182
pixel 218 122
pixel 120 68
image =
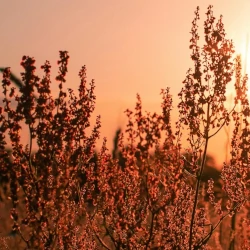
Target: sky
pixel 129 47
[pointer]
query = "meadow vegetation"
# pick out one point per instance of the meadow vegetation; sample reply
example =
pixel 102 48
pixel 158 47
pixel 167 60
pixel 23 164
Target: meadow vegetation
pixel 149 192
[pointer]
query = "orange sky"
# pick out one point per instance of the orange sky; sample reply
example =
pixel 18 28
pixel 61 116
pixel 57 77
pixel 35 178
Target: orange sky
pixel 128 46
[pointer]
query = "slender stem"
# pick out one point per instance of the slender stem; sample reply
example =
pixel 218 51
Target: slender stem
pixel 151 230
pixel 212 135
pixel 207 237
pixel 100 240
pixel 196 196
pixel 199 180
pixel 233 224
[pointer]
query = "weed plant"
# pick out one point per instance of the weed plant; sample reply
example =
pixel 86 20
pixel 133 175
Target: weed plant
pixel 150 192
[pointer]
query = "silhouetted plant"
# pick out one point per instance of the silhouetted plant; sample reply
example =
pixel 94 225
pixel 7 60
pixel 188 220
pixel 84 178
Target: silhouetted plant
pixel 150 192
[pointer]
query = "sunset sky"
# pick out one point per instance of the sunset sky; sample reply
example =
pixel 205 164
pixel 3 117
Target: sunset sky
pixel 128 46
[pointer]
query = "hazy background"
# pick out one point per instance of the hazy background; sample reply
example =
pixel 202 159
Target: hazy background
pixel 128 46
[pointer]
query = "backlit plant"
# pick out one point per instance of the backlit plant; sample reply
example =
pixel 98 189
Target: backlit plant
pixel 150 192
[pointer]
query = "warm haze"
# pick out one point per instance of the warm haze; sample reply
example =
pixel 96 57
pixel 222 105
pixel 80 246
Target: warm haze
pixel 129 47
